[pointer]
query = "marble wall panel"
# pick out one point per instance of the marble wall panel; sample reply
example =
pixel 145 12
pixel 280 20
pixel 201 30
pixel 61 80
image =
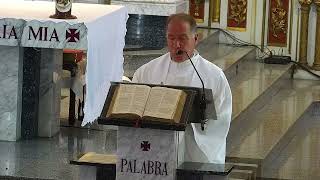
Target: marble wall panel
pixel 157 9
pixel 146 32
pixel 10 93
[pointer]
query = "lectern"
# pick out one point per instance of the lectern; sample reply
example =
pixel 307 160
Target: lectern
pixel 151 149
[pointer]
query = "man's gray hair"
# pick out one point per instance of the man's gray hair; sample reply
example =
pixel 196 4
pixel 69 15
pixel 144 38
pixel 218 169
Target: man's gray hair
pixel 185 18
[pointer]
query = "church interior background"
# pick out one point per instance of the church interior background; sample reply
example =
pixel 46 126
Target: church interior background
pixel 275 128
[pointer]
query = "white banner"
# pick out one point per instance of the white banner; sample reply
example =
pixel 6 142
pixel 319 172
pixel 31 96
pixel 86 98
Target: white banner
pixel 48 34
pixel 11 31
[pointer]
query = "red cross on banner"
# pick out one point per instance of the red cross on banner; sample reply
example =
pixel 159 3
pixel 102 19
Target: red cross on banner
pixel 72 35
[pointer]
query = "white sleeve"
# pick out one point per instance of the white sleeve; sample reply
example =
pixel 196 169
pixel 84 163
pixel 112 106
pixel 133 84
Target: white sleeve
pixel 136 76
pixel 223 100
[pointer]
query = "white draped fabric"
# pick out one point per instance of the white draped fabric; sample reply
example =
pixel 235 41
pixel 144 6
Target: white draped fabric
pixel 200 146
pixel 105 59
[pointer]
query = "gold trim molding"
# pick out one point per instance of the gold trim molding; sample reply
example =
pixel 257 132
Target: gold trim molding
pixel 316 63
pixel 305 2
pixel 305 9
pixel 215 13
pixel 263 24
pixel 291 26
pixel 236 29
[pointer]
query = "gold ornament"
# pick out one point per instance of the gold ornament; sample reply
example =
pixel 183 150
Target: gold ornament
pixel 238 11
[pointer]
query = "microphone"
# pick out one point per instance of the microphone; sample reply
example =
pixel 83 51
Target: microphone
pixel 203 101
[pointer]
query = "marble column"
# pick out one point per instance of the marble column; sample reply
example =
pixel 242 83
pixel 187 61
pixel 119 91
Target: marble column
pixel 305 9
pixel 316 63
pixel 49 92
pixel 11 61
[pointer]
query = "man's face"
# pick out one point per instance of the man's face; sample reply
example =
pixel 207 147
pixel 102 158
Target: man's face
pixel 179 37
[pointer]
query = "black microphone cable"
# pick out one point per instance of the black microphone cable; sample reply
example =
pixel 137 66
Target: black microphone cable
pixel 241 43
pixel 203 101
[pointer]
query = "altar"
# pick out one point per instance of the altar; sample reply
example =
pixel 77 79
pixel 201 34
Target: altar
pixel 31 49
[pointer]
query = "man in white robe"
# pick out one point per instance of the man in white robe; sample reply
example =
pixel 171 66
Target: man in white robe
pixel 173 68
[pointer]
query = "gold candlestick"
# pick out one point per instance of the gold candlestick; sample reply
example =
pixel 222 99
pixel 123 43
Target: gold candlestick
pixel 63 10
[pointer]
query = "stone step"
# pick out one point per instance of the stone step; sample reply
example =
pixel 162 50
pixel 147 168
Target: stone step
pixel 246 166
pixel 253 80
pixel 280 113
pixel 241 174
pixel 254 84
pixel 232 60
pixel 299 159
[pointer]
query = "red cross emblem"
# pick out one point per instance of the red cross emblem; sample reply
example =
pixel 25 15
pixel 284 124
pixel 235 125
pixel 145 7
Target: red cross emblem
pixel 145 146
pixel 72 35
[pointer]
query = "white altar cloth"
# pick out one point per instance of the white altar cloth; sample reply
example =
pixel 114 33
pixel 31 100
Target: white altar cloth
pixel 102 27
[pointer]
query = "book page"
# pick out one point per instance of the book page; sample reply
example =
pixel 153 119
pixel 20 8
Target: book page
pixel 92 157
pixel 131 99
pixel 162 102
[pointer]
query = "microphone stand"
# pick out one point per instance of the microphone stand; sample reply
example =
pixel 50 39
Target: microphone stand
pixel 203 101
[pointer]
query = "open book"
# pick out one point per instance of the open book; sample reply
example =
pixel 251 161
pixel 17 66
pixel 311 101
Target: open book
pixel 92 157
pixel 131 101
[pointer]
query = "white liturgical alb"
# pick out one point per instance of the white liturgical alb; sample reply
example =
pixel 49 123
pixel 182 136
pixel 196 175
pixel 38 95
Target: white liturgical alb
pixel 200 146
pixel 179 74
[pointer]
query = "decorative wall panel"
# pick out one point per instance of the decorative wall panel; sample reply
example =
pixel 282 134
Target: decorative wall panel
pixel 237 15
pixel 278 22
pixel 197 10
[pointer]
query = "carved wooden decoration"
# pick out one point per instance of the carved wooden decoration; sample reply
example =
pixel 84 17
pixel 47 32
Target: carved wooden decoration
pixel 278 22
pixel 196 9
pixel 237 15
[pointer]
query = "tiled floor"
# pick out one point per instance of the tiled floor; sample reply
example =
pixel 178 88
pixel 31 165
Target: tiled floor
pixel 49 157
